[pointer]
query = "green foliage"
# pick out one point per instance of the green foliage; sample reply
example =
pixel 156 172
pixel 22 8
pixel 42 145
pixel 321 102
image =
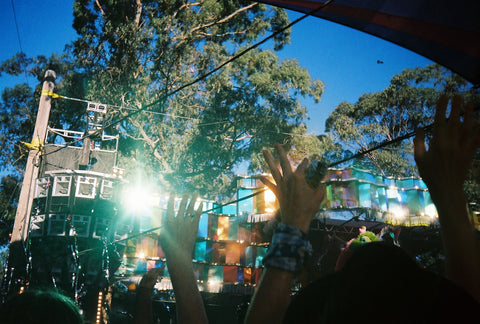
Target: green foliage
pixel 135 55
pixel 138 55
pixel 407 103
pixel 9 191
pixel 19 105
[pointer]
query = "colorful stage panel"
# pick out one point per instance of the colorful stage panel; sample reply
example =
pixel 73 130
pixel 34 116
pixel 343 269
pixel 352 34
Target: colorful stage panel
pixel 233 228
pixel 229 209
pixel 203 251
pixel 215 273
pixel 203 226
pixel 389 182
pixel 366 176
pixel 247 275
pixel 364 195
pixel 342 195
pixel 235 253
pixel 381 198
pixel 261 251
pixel 222 229
pixel 245 205
pixel 244 232
pixel 148 247
pixel 201 271
pixel 232 274
pixel 142 265
pixel 333 174
pixel 212 226
pixel 404 183
pixel 227 274
pixel 414 201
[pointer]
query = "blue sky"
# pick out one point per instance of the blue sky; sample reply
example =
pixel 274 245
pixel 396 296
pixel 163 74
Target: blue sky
pixel 343 58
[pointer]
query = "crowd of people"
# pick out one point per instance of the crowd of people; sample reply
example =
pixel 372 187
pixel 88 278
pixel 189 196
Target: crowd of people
pixel 377 282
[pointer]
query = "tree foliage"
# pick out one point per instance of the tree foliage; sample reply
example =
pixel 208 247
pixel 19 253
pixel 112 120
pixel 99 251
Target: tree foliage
pixel 145 54
pixel 140 54
pixel 9 190
pixel 407 103
pixel 19 105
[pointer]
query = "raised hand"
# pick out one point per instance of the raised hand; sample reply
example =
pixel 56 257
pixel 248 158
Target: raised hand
pixel 443 167
pixel 445 164
pixel 177 239
pixel 179 231
pixel 299 202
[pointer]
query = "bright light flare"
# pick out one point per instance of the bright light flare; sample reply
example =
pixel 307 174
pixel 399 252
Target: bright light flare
pixel 431 211
pixel 398 213
pixel 270 201
pixel 269 196
pixel 137 198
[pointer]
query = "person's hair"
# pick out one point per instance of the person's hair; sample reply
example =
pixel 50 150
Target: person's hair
pixel 380 283
pixel 36 306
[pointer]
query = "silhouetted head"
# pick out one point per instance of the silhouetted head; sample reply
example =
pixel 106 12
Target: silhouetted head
pixel 35 306
pixel 380 283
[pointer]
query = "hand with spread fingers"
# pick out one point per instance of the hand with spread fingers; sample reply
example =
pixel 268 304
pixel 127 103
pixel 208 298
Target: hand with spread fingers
pixel 443 167
pixel 177 239
pixel 445 164
pixel 299 202
pixel 179 231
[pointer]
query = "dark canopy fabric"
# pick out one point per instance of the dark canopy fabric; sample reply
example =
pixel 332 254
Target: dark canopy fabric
pixel 447 32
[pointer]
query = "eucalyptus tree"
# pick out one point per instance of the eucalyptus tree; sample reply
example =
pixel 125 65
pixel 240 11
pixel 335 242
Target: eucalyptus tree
pixel 19 105
pixel 195 127
pixel 407 103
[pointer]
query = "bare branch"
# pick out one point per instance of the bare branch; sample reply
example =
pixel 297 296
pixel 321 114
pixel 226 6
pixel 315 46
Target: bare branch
pixel 221 21
pixel 99 7
pixel 138 13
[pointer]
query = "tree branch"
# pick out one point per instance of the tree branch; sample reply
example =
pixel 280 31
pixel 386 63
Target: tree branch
pixel 99 7
pixel 138 13
pixel 221 21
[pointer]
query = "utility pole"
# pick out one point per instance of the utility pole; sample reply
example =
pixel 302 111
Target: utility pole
pixel 22 217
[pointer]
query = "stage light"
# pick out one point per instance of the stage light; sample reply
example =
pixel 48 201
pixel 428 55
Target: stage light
pixel 118 173
pixel 99 307
pixel 137 198
pixel 214 286
pixel 431 210
pixel 269 196
pixel 270 201
pixel 398 213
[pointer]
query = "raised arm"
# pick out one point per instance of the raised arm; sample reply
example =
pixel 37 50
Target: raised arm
pixel 177 239
pixel 298 205
pixel 144 291
pixel 443 167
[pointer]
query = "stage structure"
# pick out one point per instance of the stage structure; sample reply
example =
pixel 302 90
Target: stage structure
pixel 233 239
pixel 75 209
pixel 397 201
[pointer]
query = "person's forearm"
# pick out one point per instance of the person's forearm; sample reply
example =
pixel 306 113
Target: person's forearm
pixel 143 309
pixel 189 304
pixel 272 298
pixel 461 247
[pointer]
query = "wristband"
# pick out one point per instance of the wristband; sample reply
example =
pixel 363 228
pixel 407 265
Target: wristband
pixel 290 247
